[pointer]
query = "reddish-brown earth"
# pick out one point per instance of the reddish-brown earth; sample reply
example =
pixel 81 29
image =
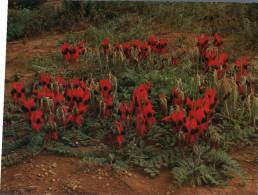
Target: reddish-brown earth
pixel 51 174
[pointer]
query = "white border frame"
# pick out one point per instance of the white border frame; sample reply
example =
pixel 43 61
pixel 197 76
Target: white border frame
pixel 3 32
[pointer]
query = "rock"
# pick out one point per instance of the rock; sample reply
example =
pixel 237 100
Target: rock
pixel 53 180
pixel 30 188
pixel 49 188
pixel 74 187
pixel 130 174
pixel 99 177
pixel 46 173
pixel 51 172
pixel 54 165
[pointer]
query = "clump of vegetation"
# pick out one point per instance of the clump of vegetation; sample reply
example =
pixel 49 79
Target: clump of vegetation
pixel 237 19
pixel 21 4
pixel 143 105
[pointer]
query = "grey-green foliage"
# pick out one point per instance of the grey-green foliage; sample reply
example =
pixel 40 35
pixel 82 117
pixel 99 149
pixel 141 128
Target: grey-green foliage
pixel 206 167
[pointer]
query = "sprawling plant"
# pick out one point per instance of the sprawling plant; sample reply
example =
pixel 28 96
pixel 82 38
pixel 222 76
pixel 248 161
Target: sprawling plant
pixel 138 120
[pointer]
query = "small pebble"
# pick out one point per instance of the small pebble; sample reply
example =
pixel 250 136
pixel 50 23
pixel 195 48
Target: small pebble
pixel 54 165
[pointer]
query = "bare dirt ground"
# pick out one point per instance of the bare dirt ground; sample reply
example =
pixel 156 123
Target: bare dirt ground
pixel 51 174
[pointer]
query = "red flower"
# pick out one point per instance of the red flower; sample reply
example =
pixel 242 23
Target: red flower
pixel 60 81
pixel 65 48
pixel 197 114
pixel 44 92
pixel 75 117
pixel 78 119
pixel 17 92
pixel 78 95
pixel 190 124
pixel 160 46
pixel 81 47
pixel 176 97
pixel 105 42
pixel 192 130
pixel 120 139
pixel 202 43
pixel 45 79
pixel 189 103
pixel 105 87
pixel 242 63
pixel 118 46
pixel 75 53
pixel 86 97
pixel 75 82
pixel 210 93
pixel 217 40
pixel 223 58
pixel 210 54
pixel 81 109
pixel 203 128
pixel 140 95
pixel 69 52
pixel 207 107
pixel 175 93
pixel 213 63
pixel 149 114
pixel 203 40
pixel 69 96
pixel 127 49
pixel 137 44
pixel 28 105
pixel 105 45
pixel 178 117
pixel 37 120
pixel 152 41
pixel 119 127
pixel 59 99
pixel 67 57
pixel 144 50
